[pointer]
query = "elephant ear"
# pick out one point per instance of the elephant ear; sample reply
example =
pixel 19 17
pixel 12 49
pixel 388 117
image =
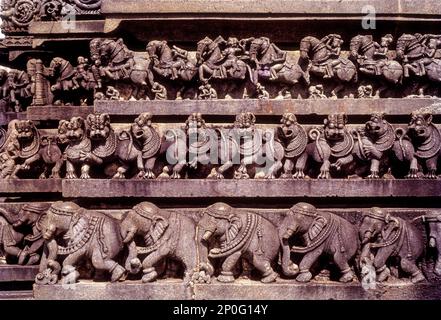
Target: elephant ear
pixel 158 228
pixel 317 226
pixel 392 225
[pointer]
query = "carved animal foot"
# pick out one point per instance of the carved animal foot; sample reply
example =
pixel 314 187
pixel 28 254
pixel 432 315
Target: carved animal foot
pixel 270 278
pixel 69 275
pixel 240 175
pixel 85 176
pixel 119 175
pixel 292 270
pixel 150 275
pixel 383 275
pixel 71 175
pixel 347 277
pixel 55 175
pixel 299 175
pixel 413 174
pixel 175 175
pixel 225 277
pixel 117 273
pixel 42 176
pixel 431 175
pixel 150 175
pixel 134 266
pixel 270 176
pixel 304 276
pixel 286 176
pixel 373 175
pixel 214 174
pixel 418 277
pixel 324 174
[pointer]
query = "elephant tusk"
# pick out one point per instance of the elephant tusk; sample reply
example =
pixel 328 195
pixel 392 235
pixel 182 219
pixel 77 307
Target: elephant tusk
pixel 207 235
pixel 432 242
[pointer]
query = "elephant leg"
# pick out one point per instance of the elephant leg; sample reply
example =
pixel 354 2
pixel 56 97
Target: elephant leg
pixel 383 272
pixel 262 264
pixel 133 264
pixel 109 265
pixel 308 260
pixel 227 267
pixel 410 267
pixel 149 271
pixel 69 273
pixel 341 261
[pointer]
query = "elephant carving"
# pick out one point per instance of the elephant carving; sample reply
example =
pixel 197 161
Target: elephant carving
pixel 73 234
pixel 323 234
pixel 231 235
pixel 165 235
pixel 386 236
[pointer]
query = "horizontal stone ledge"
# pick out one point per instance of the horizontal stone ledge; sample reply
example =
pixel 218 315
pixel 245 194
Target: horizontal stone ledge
pixel 277 7
pixel 17 273
pixel 6 117
pixel 19 186
pixel 266 107
pixel 57 112
pixel 198 188
pixel 241 289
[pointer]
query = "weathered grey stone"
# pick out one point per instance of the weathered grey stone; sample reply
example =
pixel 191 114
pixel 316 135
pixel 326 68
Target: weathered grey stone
pixel 20 186
pixel 57 113
pixel 242 289
pixel 195 188
pixel 17 273
pixel 258 107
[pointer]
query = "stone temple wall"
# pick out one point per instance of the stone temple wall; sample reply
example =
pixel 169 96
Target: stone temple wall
pixel 171 149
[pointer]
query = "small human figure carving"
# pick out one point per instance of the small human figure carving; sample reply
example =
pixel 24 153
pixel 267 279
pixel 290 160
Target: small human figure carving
pixel 207 92
pixel 316 92
pixel 262 94
pixel 160 91
pixel 8 159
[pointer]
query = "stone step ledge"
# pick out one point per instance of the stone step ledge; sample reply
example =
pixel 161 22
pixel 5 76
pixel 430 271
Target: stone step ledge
pixel 205 188
pixel 241 289
pixel 17 273
pixel 352 107
pixel 21 186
